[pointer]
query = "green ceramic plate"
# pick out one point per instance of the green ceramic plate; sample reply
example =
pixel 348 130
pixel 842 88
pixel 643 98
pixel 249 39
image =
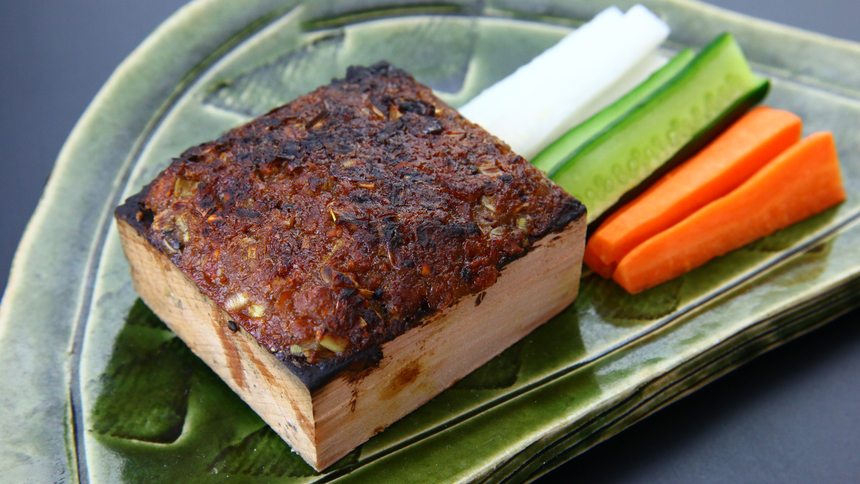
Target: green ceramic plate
pixel 103 392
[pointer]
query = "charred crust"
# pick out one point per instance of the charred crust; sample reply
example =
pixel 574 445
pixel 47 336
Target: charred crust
pixel 331 225
pixel 315 376
pixel 571 210
pixel 135 213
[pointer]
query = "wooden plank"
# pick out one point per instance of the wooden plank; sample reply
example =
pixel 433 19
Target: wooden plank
pixel 325 424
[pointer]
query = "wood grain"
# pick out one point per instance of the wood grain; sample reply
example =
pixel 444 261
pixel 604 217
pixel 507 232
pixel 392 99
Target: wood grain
pixel 325 424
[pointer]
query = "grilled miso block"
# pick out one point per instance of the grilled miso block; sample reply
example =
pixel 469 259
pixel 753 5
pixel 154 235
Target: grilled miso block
pixel 344 258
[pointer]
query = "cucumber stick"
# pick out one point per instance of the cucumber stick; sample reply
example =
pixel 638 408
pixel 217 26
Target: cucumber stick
pixel 558 89
pixel 563 147
pixel 716 88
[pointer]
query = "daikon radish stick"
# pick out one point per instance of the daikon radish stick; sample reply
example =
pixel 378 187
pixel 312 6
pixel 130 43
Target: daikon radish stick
pixel 558 89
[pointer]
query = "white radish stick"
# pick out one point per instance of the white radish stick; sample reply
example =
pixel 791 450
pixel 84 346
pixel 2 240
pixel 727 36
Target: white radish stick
pixel 615 91
pixel 586 71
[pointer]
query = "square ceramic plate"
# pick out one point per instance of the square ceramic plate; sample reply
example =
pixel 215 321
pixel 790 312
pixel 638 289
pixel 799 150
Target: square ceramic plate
pixel 105 393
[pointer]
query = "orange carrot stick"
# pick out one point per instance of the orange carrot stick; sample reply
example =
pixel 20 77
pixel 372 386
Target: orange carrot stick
pixel 592 259
pixel 719 168
pixel 802 181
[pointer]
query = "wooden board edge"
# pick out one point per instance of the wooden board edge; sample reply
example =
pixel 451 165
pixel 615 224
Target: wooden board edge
pixel 257 376
pixel 426 360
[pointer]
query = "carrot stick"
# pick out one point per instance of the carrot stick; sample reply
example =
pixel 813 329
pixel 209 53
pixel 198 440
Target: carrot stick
pixel 592 259
pixel 801 182
pixel 719 168
pixel 592 256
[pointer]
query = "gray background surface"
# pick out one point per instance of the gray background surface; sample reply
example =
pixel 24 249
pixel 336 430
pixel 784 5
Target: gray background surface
pixel 791 416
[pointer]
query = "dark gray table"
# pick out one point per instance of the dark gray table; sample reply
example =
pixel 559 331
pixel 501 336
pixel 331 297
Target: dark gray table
pixel 790 416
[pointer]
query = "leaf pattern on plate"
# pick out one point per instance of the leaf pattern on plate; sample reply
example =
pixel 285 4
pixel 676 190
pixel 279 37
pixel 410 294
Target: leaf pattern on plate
pixel 437 51
pixel 145 395
pixel 616 305
pixel 141 315
pixel 279 82
pixel 500 372
pixel 262 453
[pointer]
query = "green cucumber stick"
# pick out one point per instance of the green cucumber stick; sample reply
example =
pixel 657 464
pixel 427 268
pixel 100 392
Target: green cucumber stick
pixel 564 146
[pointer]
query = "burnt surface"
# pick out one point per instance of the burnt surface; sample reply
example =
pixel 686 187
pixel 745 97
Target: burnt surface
pixel 336 222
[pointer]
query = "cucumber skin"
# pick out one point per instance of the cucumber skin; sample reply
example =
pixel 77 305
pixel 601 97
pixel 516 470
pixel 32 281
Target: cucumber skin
pixel 696 143
pixel 547 160
pixel 760 87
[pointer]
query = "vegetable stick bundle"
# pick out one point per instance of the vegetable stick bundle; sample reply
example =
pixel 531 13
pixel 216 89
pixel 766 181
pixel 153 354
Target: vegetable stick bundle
pixel 756 178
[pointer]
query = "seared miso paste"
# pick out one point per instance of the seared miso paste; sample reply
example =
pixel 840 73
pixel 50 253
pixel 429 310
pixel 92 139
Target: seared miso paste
pixel 335 222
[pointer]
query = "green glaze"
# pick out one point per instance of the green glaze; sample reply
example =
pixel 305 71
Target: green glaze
pixel 104 390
